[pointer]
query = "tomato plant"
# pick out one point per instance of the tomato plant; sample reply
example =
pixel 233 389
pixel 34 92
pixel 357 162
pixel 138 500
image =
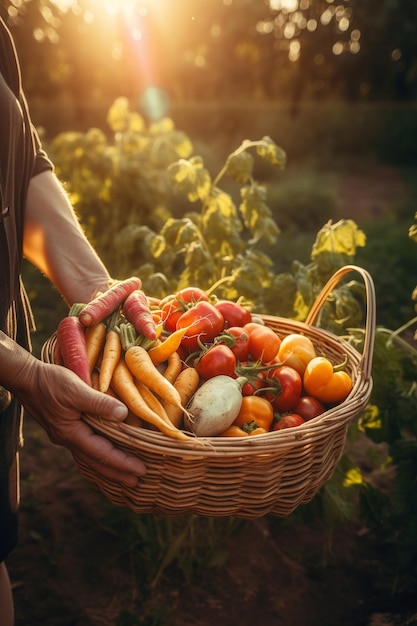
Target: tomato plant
pixel 205 322
pixel 219 359
pixel 264 343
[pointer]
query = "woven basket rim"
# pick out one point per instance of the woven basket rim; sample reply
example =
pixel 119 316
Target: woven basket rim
pixel 266 443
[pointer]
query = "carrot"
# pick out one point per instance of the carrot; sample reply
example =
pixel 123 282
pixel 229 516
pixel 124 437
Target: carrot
pixel 72 345
pixel 123 384
pixel 174 366
pixel 151 400
pixel 95 379
pixel 103 305
pixel 186 384
pixel 136 310
pixel 111 355
pixel 94 338
pixel 162 351
pixel 140 365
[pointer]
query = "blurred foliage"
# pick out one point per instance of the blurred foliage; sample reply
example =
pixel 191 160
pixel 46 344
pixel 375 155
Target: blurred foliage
pixel 366 50
pixel 221 241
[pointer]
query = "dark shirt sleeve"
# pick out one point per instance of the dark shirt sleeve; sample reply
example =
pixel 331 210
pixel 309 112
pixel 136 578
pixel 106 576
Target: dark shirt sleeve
pixel 42 163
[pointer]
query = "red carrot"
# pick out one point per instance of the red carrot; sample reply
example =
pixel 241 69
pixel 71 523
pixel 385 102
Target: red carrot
pixel 107 302
pixel 136 311
pixel 72 346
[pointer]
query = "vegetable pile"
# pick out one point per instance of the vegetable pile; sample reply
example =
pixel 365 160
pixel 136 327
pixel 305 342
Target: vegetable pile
pixel 192 364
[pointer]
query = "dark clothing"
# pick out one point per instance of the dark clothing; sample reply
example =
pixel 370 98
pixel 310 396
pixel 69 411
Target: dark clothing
pixel 21 158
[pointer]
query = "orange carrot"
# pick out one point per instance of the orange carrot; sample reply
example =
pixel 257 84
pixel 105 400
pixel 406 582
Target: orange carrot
pixel 95 379
pixel 140 365
pixel 94 339
pixel 123 384
pixel 111 355
pixel 151 400
pixel 186 384
pixel 165 348
pixel 173 368
pixel 103 305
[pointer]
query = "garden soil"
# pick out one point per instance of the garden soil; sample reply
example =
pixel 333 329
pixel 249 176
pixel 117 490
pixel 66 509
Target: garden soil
pixel 68 571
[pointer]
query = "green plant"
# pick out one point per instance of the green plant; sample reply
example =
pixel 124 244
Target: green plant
pixel 223 244
pixel 161 545
pixel 119 183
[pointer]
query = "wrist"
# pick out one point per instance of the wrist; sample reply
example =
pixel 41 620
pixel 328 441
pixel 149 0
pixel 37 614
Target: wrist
pixel 16 366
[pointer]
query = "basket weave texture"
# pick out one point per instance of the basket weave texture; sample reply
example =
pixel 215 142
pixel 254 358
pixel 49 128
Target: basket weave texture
pixel 251 476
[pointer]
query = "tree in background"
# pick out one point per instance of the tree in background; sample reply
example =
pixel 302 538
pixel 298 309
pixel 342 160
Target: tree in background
pixel 222 49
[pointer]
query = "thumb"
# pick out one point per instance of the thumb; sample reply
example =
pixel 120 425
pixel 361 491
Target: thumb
pixel 107 407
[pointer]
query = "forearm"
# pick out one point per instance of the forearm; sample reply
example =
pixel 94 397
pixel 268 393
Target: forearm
pixel 16 365
pixel 55 243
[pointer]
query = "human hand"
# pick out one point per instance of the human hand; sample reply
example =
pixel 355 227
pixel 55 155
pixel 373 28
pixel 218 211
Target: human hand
pixel 55 397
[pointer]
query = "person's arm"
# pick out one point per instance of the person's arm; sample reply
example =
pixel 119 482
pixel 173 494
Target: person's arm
pixel 55 397
pixel 55 243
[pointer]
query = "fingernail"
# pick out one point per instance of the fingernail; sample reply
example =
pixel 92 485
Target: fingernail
pixel 120 412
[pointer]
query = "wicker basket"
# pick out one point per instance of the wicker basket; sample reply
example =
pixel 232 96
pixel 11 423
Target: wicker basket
pixel 252 476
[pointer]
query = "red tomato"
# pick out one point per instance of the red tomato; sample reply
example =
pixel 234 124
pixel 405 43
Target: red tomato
pixel 233 313
pixel 249 388
pixel 173 307
pixel 205 322
pixel 309 407
pixel 264 343
pixel 291 386
pixel 170 313
pixel 218 360
pixel 191 295
pixel 288 421
pixel 241 342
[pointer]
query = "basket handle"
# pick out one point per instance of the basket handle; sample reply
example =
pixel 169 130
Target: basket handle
pixel 370 323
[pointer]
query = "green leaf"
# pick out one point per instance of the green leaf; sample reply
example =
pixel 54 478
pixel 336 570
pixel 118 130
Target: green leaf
pixel 120 119
pixel 413 232
pixel 190 178
pixel 278 298
pixel 240 166
pixel 158 246
pixel 178 232
pixel 163 126
pixel 268 150
pixel 257 215
pixel 343 237
pixel 220 223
